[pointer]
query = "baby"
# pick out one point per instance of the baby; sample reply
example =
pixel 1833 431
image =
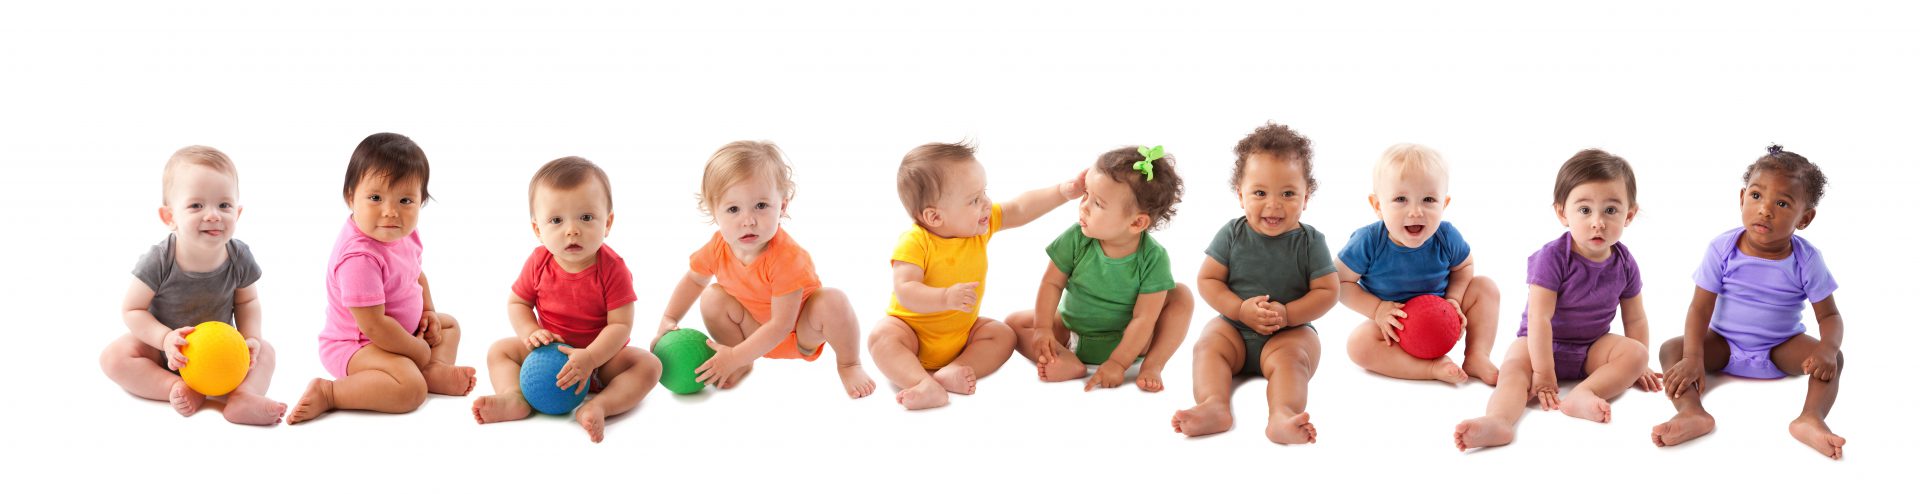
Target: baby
pixel 933 341
pixel 382 338
pixel 572 289
pixel 765 300
pixel 199 273
pixel 1268 276
pixel 1748 295
pixel 1121 301
pixel 1576 284
pixel 1411 252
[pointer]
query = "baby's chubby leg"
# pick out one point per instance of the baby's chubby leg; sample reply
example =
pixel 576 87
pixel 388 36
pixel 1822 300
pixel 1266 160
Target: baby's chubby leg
pixel 828 315
pixel 1169 330
pixel 895 351
pixel 376 380
pixel 1289 361
pixel 1218 355
pixel 1614 363
pixel 728 323
pixel 1481 303
pixel 630 375
pixel 1504 408
pixel 248 404
pixel 989 344
pixel 443 377
pixel 1692 419
pixel 139 369
pixel 1370 350
pixel 1065 366
pixel 503 371
pixel 1811 426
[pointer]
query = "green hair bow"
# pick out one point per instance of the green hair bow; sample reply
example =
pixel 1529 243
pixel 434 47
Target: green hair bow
pixel 1145 167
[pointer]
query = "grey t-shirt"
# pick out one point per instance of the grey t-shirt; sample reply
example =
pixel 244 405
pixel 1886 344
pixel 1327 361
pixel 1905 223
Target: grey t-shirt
pixel 1281 267
pixel 182 298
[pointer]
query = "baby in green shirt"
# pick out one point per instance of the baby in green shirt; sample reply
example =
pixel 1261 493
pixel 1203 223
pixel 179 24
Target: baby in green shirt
pixel 1120 299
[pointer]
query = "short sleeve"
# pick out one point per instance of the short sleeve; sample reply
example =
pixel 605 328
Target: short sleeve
pixel 1221 250
pixel 794 272
pixel 1632 272
pixel 1156 271
pixel 152 266
pixel 1815 279
pixel 616 282
pixel 1358 254
pixel 1455 245
pixel 703 261
pixel 993 220
pixel 1712 271
pixel 1319 258
pixel 246 270
pixel 1546 268
pixel 360 281
pixel 526 286
pixel 1066 248
pixel 912 248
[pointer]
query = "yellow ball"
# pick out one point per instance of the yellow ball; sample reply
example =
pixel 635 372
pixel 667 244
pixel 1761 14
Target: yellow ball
pixel 217 359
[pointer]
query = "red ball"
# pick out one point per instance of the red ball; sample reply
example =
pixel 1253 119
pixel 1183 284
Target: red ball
pixel 1431 327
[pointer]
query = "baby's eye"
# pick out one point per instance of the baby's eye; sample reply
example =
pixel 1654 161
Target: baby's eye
pixel 1259 193
pixel 553 221
pixel 1429 200
pixel 1753 195
pixel 761 205
pixel 733 209
pixel 973 201
pixel 1586 210
pixel 1400 199
pixel 1613 210
pixel 586 217
pixel 193 206
pixel 1288 194
pixel 1781 204
pixel 226 205
pixel 406 200
pixel 374 198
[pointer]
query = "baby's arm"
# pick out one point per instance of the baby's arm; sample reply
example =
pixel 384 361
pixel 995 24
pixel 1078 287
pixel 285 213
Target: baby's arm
pixel 1036 203
pixel 145 327
pixel 581 362
pixel 1046 305
pixel 387 334
pixel 1384 313
pixel 684 294
pixel 1457 280
pixel 727 360
pixel 1321 293
pixel 1825 361
pixel 525 326
pixel 246 318
pixel 429 322
pixel 1633 316
pixel 1252 312
pixel 910 288
pixel 1685 375
pixel 1541 303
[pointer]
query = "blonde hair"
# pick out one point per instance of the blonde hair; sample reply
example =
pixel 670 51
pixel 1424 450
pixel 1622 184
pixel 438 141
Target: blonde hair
pixel 922 171
pixel 741 160
pixel 1399 157
pixel 205 156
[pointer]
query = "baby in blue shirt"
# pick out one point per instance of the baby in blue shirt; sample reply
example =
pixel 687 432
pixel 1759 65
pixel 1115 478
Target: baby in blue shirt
pixel 1408 253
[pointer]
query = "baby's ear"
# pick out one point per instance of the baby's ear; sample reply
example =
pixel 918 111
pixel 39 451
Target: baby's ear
pixel 1141 222
pixel 1806 221
pixel 1446 202
pixel 166 216
pixel 930 217
pixel 1374 200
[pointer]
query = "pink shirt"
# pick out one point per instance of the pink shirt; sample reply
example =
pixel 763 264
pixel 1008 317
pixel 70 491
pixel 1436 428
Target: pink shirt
pixel 364 272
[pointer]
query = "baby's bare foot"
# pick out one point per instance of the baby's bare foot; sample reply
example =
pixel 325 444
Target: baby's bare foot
pixel 1063 368
pixel 1681 428
pixel 501 408
pixel 1203 419
pixel 1149 380
pixel 927 394
pixel 450 380
pixel 1483 368
pixel 593 418
pixel 958 379
pixel 1482 432
pixel 740 375
pixel 1582 403
pixel 1445 371
pixel 252 409
pixel 1293 429
pixel 856 381
pixel 1814 433
pixel 184 399
pixel 316 401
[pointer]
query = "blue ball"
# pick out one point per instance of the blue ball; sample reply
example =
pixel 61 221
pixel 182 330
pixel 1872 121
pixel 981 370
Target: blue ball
pixel 537 375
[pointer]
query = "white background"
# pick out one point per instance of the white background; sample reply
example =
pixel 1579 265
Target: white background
pixel 97 96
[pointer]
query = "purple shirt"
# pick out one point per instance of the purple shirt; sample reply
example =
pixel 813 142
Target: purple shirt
pixel 1589 292
pixel 1761 299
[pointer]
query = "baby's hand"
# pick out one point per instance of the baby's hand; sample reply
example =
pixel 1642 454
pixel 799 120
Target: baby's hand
pixel 1684 376
pixel 1649 380
pixel 1254 313
pixel 1387 316
pixel 539 338
pixel 1823 364
pixel 721 366
pixel 430 327
pixel 1109 375
pixel 1546 387
pixel 577 372
pixel 1461 312
pixel 1073 189
pixel 253 352
pixel 172 343
pixel 1044 353
pixel 961 297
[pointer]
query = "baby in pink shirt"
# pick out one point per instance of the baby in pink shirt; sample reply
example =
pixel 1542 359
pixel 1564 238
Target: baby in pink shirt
pixel 383 342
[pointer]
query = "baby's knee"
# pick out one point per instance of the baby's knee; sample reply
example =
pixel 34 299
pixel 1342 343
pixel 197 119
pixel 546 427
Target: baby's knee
pixel 1180 296
pixel 505 347
pixel 412 390
pixel 887 334
pixel 1671 350
pixel 1484 288
pixel 265 352
pixel 713 301
pixel 1633 353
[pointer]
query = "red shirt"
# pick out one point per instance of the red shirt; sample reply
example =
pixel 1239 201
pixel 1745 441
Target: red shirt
pixel 574 306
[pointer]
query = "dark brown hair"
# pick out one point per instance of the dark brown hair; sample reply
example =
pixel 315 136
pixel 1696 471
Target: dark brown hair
pixel 1794 166
pixel 922 171
pixel 388 155
pixel 1593 165
pixel 1156 198
pixel 1279 141
pixel 566 174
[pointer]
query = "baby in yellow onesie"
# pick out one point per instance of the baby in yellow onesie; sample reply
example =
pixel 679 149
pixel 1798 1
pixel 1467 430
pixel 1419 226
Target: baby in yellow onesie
pixel 933 340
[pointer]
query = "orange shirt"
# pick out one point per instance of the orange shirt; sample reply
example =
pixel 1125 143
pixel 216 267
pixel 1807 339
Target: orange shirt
pixel 781 268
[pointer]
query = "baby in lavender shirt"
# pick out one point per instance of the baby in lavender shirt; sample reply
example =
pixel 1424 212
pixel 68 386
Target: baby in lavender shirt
pixel 1745 318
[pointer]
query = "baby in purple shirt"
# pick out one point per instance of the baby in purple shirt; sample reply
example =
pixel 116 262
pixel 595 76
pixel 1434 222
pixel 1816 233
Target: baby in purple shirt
pixel 1575 285
pixel 1745 318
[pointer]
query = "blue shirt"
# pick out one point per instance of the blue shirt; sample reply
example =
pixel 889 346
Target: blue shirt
pixel 1397 273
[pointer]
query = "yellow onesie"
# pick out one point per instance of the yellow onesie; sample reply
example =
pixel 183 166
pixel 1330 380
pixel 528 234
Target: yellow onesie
pixel 948 262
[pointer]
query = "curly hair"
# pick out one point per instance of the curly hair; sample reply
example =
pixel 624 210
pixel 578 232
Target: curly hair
pixel 1794 166
pixel 1275 140
pixel 1156 198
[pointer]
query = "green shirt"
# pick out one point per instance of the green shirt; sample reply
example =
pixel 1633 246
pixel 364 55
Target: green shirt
pixel 1281 267
pixel 1101 290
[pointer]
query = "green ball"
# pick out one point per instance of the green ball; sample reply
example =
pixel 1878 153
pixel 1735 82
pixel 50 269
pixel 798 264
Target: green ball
pixel 681 351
